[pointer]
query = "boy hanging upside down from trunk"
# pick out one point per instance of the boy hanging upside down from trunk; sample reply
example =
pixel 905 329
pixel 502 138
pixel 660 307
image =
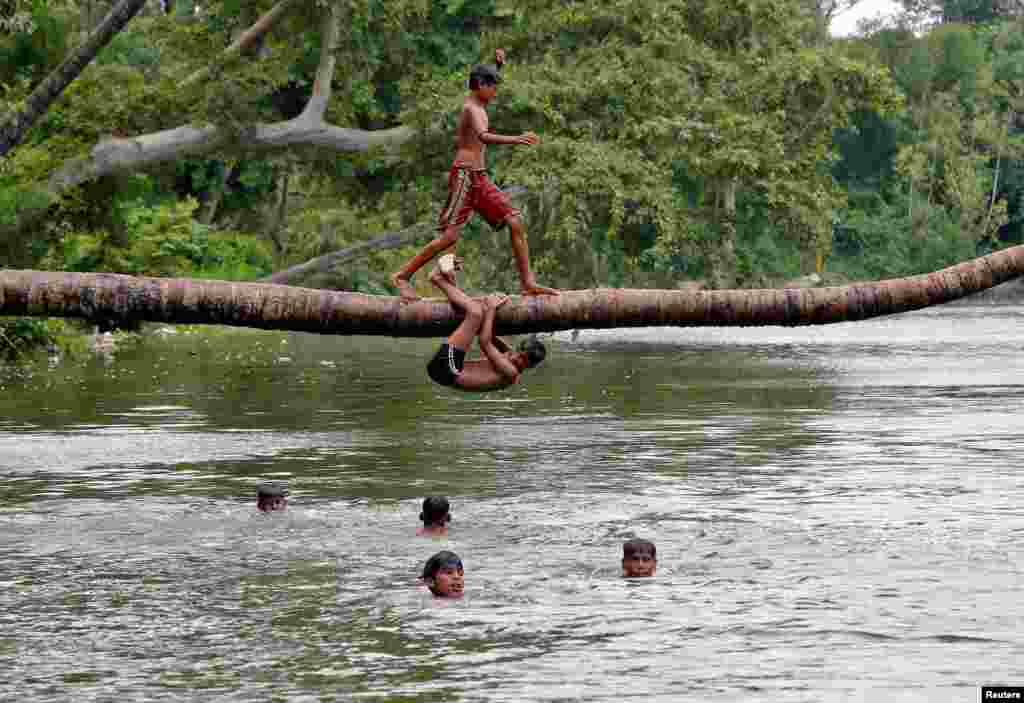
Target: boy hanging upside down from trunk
pixel 500 366
pixel 470 190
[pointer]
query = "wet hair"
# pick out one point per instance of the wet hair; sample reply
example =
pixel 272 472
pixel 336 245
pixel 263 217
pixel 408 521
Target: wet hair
pixel 535 351
pixel 267 492
pixel 441 560
pixel 636 547
pixel 435 510
pixel 483 74
pixel 271 490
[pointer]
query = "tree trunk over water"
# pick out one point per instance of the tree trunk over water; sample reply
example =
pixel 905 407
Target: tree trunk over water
pixel 119 298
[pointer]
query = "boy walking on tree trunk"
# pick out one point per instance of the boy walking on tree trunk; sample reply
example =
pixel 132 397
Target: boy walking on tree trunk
pixel 470 190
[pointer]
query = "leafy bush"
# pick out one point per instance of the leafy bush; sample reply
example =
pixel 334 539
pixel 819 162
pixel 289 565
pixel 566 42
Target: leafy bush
pixel 881 243
pixel 164 240
pixel 20 335
pixel 32 53
pixel 130 49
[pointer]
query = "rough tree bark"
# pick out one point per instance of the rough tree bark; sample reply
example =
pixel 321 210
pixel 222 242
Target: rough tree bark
pixel 118 298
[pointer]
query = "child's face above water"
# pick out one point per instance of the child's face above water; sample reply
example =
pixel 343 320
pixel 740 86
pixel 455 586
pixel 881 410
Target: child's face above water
pixel 274 504
pixel 448 582
pixel 642 564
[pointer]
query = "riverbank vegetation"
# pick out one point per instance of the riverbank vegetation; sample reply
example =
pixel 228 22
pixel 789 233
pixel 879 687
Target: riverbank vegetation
pixel 682 143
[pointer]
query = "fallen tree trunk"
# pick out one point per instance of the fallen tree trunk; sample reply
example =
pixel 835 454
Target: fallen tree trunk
pixel 120 298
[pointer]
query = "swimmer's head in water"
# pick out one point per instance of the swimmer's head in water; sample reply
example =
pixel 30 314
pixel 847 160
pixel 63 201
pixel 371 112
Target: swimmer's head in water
pixel 639 558
pixel 534 350
pixel 271 497
pixel 436 512
pixel 443 574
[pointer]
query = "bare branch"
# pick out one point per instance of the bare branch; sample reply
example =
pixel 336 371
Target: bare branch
pixel 248 38
pixel 391 240
pixel 122 155
pixel 125 155
pixel 317 105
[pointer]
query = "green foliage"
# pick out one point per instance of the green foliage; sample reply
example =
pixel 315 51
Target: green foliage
pixel 1012 190
pixel 938 165
pixel 15 199
pixel 242 185
pixel 164 240
pixel 867 151
pixel 30 55
pixel 21 335
pixel 877 243
pixel 130 49
pixel 672 132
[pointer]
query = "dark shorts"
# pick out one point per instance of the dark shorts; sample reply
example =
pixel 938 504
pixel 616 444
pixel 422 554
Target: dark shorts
pixel 446 364
pixel 469 191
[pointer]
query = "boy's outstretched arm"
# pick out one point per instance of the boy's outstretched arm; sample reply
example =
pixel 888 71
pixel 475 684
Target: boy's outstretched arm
pixel 527 138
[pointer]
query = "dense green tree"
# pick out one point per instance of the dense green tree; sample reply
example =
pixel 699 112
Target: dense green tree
pixel 948 160
pixel 743 98
pixel 679 139
pixel 737 95
pixel 14 126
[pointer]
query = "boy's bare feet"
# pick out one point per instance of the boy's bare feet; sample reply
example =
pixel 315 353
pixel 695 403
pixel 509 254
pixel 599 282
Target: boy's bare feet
pixel 446 263
pixel 449 264
pixel 445 269
pixel 534 289
pixel 406 292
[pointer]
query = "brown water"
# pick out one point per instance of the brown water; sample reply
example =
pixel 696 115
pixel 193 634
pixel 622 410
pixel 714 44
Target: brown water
pixel 837 512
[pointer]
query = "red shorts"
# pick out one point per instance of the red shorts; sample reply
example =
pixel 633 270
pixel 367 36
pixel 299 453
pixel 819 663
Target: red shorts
pixel 469 191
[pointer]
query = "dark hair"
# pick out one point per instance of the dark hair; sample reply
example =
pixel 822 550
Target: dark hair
pixel 435 510
pixel 534 350
pixel 483 74
pixel 440 561
pixel 271 490
pixel 639 546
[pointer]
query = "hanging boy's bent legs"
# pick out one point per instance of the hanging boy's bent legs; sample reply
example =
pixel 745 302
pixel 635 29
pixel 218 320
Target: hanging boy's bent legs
pixel 446 366
pixel 463 336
